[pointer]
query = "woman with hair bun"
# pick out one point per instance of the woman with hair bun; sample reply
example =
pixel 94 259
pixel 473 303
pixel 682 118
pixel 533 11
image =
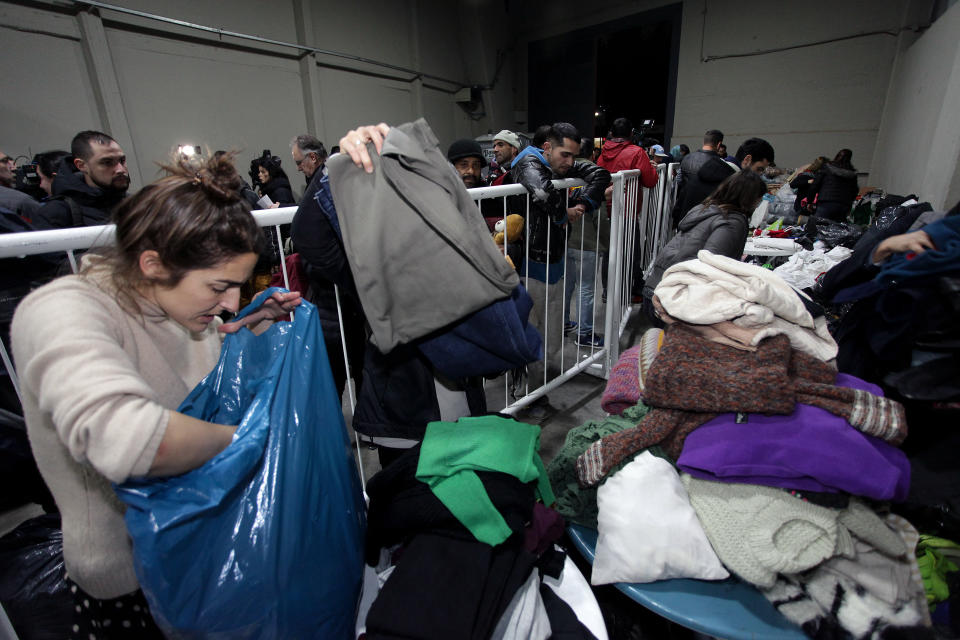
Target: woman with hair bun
pixel 106 356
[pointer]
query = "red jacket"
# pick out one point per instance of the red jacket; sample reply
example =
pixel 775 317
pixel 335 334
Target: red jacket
pixel 619 155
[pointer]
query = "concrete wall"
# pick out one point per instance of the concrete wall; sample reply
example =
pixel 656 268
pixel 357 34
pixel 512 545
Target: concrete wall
pixel 918 147
pixel 155 85
pixel 806 101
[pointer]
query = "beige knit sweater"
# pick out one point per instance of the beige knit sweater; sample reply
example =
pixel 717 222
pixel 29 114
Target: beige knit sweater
pixel 97 385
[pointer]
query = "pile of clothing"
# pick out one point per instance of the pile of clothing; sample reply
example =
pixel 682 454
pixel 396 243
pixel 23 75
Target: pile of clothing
pixel 463 543
pixel 785 461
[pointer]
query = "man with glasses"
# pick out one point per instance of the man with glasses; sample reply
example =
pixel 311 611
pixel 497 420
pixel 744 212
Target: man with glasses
pixel 309 155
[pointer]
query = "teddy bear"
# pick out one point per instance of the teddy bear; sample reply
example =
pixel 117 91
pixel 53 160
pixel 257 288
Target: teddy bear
pixel 514 229
pixel 514 234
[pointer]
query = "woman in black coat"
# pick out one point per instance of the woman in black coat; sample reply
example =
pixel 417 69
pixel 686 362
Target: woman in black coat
pixel 836 187
pixel 274 182
pixel 719 225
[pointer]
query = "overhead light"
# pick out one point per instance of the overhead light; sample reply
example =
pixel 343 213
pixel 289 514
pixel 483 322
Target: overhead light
pixel 188 150
pixel 596 113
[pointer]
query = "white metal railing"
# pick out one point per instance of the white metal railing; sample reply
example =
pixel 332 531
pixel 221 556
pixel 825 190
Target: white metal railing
pixel 632 228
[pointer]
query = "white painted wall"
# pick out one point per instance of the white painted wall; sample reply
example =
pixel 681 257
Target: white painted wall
pixel 170 85
pixel 922 118
pixel 807 101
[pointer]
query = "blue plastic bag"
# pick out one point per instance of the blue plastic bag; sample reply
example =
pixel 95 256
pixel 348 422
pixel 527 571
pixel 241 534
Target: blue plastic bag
pixel 266 539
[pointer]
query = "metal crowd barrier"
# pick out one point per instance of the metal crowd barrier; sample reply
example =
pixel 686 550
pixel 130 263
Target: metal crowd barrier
pixel 640 230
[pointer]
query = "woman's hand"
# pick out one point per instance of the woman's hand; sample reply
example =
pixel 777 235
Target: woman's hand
pixel 354 143
pixel 277 305
pixel 917 242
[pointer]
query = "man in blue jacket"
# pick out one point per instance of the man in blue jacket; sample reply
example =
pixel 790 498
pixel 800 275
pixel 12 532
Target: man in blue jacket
pixel 550 211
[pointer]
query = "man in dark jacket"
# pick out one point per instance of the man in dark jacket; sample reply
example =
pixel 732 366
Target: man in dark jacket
pixel 89 184
pixel 550 211
pixel 691 190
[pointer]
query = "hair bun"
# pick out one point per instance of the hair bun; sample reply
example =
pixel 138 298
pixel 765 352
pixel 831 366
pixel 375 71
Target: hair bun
pixel 216 176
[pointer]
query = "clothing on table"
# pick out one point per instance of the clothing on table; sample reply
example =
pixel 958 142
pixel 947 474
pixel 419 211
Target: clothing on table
pixel 811 450
pixel 693 379
pixel 863 596
pixel 714 288
pixel 760 532
pixel 625 386
pixel 448 586
pixel 401 506
pixel 412 236
pixel 525 617
pixel 97 400
pixel 451 453
pixel 575 503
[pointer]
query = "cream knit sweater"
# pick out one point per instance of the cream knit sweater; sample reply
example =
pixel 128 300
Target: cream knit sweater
pixel 97 385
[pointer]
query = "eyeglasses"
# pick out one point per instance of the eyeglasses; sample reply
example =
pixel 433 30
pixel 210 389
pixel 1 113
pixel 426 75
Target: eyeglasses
pixel 7 159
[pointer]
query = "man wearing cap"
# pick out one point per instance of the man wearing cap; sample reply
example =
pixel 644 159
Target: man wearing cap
pixel 466 156
pixel 506 146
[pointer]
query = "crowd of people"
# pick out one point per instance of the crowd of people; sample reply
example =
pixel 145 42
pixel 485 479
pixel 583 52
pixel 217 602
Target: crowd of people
pixel 105 357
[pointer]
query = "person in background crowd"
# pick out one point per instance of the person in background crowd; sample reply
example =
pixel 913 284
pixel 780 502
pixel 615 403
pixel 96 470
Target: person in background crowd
pixel 679 152
pixel 586 238
pixel 11 199
pixel 90 182
pixel 466 156
pixel 274 182
pixel 802 184
pixel 690 189
pixel 835 187
pixel 309 155
pixel 506 146
pixel 620 154
pixel 312 252
pixel 48 164
pixel 540 135
pixel 719 225
pixel 105 357
pixel 755 154
pixel 722 151
pixel 550 210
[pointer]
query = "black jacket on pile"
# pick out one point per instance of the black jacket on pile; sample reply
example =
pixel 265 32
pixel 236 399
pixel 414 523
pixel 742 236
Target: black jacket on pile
pixel 94 205
pixel 705 227
pixel 701 173
pixel 836 185
pixel 279 191
pixel 548 205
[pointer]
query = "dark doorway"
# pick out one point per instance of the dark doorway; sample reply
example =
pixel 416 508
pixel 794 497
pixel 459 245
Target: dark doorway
pixel 590 76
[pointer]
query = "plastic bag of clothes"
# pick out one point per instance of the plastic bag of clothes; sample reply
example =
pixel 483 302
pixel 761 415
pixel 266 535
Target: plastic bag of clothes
pixel 266 539
pixel 33 590
pixel 833 234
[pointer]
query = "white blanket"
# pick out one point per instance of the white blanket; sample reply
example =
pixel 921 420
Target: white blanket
pixel 715 288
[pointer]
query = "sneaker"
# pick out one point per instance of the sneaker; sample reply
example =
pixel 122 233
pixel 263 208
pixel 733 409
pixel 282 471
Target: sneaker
pixel 569 326
pixel 589 340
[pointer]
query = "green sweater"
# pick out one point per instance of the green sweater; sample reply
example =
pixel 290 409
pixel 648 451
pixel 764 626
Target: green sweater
pixel 451 453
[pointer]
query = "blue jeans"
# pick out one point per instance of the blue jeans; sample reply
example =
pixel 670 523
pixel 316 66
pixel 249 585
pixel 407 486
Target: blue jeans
pixel 586 261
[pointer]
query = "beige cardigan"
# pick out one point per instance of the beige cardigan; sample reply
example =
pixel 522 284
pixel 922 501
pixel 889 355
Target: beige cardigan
pixel 97 383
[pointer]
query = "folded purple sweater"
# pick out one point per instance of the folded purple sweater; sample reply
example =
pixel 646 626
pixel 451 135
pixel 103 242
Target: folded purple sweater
pixel 809 450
